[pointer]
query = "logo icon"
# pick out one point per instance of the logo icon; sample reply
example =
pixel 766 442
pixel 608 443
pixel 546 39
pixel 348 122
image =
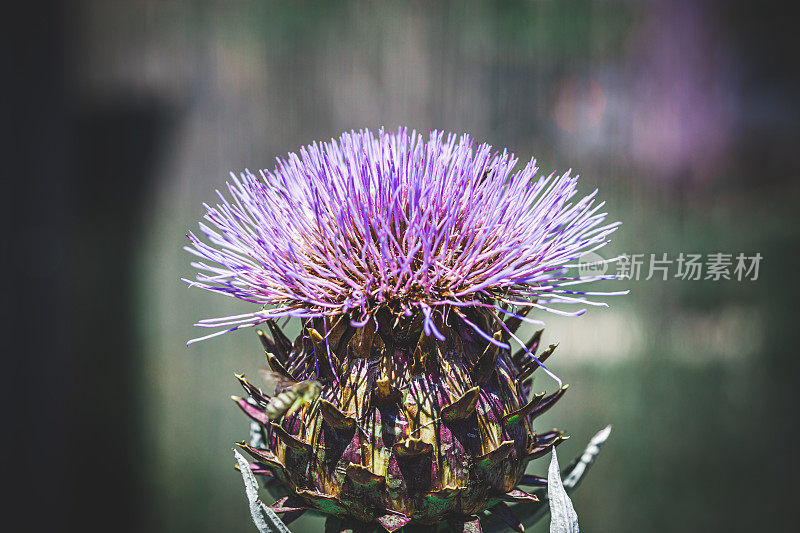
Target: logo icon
pixel 591 265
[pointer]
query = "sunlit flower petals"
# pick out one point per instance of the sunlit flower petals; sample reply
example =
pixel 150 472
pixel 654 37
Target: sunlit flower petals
pixel 350 225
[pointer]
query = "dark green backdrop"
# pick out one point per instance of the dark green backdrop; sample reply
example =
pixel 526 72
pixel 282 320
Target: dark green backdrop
pixel 130 113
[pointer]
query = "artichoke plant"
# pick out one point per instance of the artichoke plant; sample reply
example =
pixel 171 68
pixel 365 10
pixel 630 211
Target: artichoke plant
pixel 410 265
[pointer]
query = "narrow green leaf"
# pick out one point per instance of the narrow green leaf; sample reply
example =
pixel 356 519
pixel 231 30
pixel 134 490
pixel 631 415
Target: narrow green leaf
pixel 563 518
pixel 264 518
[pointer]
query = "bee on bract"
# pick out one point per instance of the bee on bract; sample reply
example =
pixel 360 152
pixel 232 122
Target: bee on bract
pixel 292 397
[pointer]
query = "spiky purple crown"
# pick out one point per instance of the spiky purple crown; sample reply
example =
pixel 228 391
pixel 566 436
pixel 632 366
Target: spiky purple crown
pixel 380 220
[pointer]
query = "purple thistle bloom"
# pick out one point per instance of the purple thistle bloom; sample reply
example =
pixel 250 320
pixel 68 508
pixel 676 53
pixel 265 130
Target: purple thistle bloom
pixel 411 265
pixel 347 227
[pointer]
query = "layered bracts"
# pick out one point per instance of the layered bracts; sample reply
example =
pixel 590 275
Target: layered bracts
pixel 408 428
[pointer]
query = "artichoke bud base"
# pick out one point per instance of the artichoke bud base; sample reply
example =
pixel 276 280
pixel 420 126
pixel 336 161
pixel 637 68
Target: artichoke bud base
pixel 407 428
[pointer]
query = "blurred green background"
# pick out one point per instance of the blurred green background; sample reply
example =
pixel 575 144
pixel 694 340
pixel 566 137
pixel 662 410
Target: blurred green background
pixel 682 113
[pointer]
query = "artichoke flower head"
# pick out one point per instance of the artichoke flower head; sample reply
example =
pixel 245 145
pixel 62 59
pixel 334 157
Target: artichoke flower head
pixel 410 263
